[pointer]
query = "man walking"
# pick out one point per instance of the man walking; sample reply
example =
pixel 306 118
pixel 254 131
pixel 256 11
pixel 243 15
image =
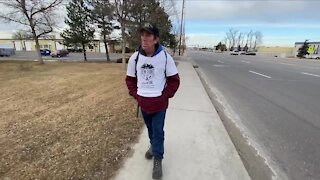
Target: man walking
pixel 152 78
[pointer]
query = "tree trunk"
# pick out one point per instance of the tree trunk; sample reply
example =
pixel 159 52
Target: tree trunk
pixel 84 52
pixel 250 47
pixel 106 46
pixel 123 45
pixel 38 51
pixel 255 45
pixel 39 57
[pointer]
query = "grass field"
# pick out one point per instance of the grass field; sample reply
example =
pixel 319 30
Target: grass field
pixel 64 120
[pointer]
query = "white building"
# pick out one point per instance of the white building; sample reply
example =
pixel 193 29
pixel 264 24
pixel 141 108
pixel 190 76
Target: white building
pixel 314 47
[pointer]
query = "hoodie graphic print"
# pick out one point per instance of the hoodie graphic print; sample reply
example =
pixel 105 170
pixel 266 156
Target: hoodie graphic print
pixel 147 73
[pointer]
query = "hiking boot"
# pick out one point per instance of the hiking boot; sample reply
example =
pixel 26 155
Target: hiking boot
pixel 157 169
pixel 149 154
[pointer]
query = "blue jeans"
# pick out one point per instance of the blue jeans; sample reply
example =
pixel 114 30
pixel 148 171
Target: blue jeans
pixel 155 124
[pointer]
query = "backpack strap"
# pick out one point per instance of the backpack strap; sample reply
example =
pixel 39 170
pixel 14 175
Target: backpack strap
pixel 165 67
pixel 136 60
pixel 165 72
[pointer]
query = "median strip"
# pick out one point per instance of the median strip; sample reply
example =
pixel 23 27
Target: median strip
pixel 260 74
pixel 309 74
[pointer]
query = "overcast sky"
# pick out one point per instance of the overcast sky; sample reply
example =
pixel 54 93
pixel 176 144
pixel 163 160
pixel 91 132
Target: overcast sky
pixel 282 22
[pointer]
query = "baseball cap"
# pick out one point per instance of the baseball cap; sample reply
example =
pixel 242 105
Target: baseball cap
pixel 151 28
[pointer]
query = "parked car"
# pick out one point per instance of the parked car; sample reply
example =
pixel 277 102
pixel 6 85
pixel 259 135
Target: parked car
pixel 74 49
pixel 60 53
pixel 251 53
pixel 235 52
pixel 6 52
pixel 45 52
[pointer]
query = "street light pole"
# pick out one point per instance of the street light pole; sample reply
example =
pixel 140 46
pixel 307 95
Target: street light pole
pixel 182 17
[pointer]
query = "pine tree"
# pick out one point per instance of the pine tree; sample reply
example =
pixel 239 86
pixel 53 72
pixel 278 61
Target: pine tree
pixel 219 46
pixel 303 50
pixel 101 14
pixel 150 12
pixel 81 31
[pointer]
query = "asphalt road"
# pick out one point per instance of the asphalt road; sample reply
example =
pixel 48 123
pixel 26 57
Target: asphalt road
pixel 278 104
pixel 91 56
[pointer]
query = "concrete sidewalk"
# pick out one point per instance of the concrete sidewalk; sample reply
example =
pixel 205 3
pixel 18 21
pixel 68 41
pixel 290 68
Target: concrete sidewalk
pixel 197 146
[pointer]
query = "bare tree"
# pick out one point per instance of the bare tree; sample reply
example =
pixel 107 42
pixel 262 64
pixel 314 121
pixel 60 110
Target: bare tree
pixel 225 40
pixel 122 12
pixel 257 39
pixel 249 38
pixel 38 15
pixel 233 36
pixel 228 40
pixel 242 39
pixel 239 39
pixel 171 9
pixel 22 35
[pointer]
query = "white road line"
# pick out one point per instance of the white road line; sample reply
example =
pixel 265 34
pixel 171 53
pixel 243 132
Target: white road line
pixel 260 74
pixel 299 66
pixel 246 62
pixel 288 64
pixel 312 67
pixel 220 62
pixel 219 65
pixel 309 74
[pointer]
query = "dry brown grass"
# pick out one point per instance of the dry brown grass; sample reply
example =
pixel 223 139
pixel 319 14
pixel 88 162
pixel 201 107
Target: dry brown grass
pixel 64 120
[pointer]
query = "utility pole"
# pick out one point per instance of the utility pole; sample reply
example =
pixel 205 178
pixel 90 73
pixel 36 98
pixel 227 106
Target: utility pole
pixel 181 29
pixel 184 34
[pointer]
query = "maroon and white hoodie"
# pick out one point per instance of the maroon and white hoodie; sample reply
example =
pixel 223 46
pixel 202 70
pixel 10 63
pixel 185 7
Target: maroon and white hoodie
pixel 157 79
